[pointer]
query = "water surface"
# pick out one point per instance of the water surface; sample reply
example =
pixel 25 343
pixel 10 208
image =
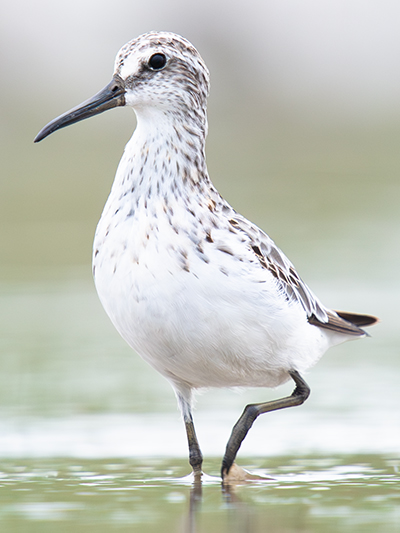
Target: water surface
pixel 310 494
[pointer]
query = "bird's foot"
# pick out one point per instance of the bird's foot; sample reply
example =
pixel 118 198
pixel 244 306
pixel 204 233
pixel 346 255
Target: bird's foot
pixel 237 474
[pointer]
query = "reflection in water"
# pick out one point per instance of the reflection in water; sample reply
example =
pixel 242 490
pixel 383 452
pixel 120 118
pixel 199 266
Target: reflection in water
pixel 240 515
pixel 196 493
pixel 360 494
pixel 306 494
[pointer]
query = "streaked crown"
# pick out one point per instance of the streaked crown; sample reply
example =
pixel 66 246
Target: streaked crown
pixel 162 69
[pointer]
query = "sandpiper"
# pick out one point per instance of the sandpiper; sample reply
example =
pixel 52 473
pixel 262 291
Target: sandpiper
pixel 201 293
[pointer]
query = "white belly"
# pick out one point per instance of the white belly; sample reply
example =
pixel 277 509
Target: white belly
pixel 219 323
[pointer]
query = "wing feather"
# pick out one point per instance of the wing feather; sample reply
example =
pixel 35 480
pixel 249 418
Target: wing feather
pixel 273 259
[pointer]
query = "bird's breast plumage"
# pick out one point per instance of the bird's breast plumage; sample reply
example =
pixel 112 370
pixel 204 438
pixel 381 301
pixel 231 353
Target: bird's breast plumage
pixel 183 286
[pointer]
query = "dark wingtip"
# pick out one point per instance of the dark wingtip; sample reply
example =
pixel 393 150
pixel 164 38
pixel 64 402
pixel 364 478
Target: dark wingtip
pixel 347 323
pixel 357 319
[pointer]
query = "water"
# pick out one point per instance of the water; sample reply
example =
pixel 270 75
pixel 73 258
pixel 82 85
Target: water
pixel 310 494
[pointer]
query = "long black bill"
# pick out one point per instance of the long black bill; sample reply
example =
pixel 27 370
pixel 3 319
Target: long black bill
pixel 113 95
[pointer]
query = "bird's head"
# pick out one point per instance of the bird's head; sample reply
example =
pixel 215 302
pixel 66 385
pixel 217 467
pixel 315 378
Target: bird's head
pixel 157 71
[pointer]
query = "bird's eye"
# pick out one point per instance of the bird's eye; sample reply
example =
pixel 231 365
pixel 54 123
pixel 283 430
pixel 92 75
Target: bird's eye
pixel 157 61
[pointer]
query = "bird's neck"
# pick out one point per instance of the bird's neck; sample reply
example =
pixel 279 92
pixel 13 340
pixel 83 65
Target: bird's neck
pixel 161 181
pixel 166 152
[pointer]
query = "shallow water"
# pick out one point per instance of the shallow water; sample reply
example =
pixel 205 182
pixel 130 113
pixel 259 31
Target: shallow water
pixel 313 494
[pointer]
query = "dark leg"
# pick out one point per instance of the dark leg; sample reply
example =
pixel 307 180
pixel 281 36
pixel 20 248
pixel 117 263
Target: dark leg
pixel 252 411
pixel 195 455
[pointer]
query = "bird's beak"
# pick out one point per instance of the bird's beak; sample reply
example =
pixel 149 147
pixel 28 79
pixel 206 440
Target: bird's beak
pixel 112 95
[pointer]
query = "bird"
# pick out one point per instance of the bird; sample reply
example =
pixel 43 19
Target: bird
pixel 197 290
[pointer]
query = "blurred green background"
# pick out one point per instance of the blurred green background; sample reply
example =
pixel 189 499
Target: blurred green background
pixel 304 136
pixel 304 126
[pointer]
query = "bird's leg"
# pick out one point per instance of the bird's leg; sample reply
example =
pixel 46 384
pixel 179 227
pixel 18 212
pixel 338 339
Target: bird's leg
pixel 195 455
pixel 252 411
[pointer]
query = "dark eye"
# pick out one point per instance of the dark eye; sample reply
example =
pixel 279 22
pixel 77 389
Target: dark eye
pixel 157 61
